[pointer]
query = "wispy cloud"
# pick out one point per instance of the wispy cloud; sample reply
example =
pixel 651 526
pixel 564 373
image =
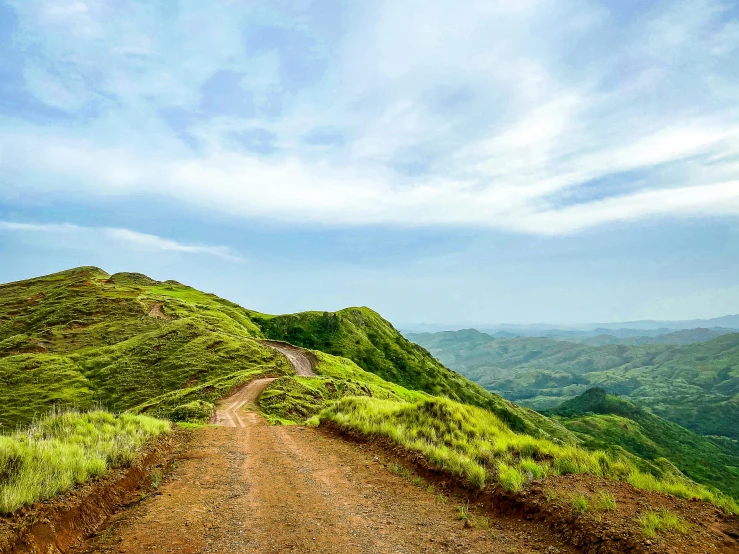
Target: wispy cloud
pixel 127 238
pixel 503 115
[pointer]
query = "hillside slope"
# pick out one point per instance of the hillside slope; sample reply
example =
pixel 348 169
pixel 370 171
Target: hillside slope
pixel 605 421
pixel 696 386
pixel 82 337
pixel 364 337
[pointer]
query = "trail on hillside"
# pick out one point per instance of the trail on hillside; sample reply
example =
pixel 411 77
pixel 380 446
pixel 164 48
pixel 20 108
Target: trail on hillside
pixel 262 489
pixel 298 358
pixel 247 487
pixel 229 414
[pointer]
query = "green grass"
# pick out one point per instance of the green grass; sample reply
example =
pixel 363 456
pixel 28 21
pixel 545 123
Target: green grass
pixel 580 503
pixel 606 501
pixel 475 445
pixel 373 344
pixel 61 450
pixel 662 521
pixel 604 421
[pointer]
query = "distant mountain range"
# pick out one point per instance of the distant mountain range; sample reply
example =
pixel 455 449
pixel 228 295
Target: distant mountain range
pixel 695 385
pixel 647 328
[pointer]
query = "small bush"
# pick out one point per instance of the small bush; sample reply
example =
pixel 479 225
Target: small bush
pixel 195 411
pixel 653 522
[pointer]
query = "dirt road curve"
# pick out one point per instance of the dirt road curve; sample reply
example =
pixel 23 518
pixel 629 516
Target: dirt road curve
pixel 246 487
pixel 297 357
pixel 229 412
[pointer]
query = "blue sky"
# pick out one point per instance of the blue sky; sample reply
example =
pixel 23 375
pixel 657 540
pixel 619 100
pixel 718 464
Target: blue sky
pixel 443 162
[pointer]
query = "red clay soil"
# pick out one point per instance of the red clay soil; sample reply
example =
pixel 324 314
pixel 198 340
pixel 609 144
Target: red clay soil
pixel 597 530
pixel 291 489
pixel 55 525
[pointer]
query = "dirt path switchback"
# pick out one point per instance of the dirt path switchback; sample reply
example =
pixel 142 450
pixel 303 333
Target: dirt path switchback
pixel 229 413
pixel 297 356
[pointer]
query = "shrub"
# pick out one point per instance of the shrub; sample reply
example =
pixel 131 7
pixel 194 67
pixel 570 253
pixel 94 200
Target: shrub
pixel 196 411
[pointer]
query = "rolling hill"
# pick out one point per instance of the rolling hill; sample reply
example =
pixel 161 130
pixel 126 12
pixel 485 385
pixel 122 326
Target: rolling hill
pixel 83 337
pixel 695 386
pixel 605 421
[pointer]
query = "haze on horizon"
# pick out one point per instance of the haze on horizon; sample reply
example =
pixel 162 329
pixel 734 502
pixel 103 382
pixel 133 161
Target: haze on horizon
pixel 564 161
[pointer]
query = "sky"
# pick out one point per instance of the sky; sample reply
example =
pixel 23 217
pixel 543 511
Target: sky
pixel 557 161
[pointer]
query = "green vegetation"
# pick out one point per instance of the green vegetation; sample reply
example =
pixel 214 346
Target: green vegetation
pixel 296 399
pixel 61 450
pixel 607 422
pixel 370 341
pixel 580 503
pixel 477 446
pixel 695 385
pixel 653 522
pixel 84 338
pixel 606 501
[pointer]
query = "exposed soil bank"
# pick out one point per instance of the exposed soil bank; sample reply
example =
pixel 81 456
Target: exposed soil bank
pixel 596 531
pixel 56 525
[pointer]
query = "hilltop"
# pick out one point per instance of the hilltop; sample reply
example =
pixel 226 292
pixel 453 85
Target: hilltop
pixel 84 337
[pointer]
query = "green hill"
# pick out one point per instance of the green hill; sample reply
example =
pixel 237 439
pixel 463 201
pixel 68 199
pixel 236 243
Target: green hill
pixel 364 337
pixel 83 337
pixel 127 342
pixel 695 386
pixel 604 421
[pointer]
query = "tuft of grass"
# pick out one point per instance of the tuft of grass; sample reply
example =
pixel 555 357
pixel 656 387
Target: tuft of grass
pixel 463 512
pixel 656 521
pixel 550 495
pixel 606 501
pixel 510 478
pixel 580 503
pixel 156 478
pixel 61 450
pixel 442 498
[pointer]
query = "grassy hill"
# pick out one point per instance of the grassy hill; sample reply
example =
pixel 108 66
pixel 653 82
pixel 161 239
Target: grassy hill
pixel 83 337
pixel 696 385
pixel 364 337
pixel 604 421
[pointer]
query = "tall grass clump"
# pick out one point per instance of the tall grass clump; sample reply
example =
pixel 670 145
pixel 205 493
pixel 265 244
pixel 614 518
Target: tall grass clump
pixel 653 522
pixel 61 450
pixel 476 445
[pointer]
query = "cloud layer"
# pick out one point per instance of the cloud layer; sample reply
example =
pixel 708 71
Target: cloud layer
pixel 540 116
pixel 70 235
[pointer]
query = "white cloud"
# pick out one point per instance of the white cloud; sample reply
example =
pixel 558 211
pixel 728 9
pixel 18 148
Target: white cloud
pixel 64 232
pixel 512 111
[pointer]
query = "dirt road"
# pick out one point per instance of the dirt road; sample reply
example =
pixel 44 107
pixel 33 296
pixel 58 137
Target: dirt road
pixel 298 358
pixel 229 412
pixel 246 487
